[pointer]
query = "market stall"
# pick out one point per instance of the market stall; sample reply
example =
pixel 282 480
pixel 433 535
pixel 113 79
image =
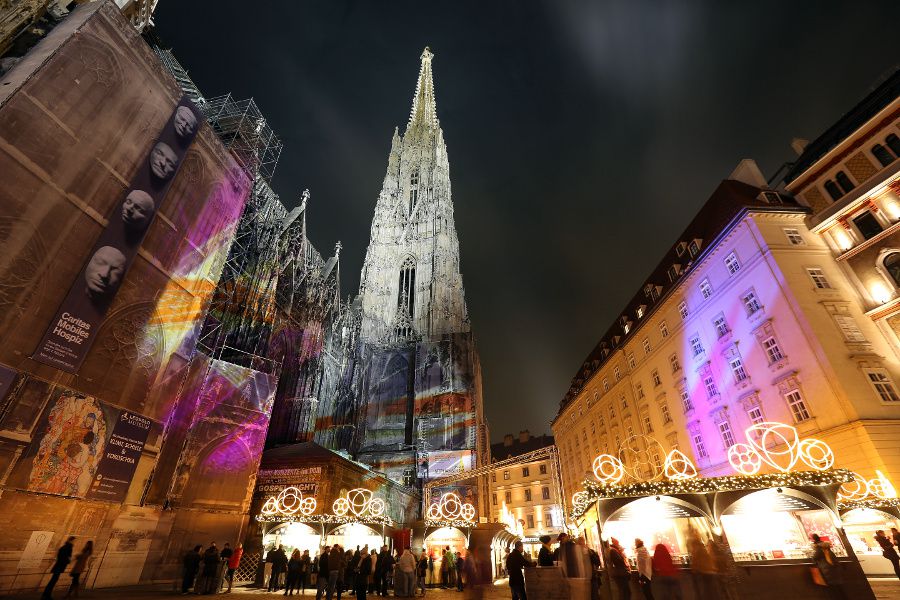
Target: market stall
pixel 866 506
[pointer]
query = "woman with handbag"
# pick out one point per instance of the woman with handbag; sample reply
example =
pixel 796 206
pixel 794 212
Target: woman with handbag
pixel 826 572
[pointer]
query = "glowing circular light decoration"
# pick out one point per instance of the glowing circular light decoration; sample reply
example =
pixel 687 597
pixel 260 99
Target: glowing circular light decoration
pixel 858 489
pixel 288 502
pixel 450 507
pixel 340 507
pixel 580 501
pixel 679 466
pixel 744 459
pixel 817 454
pixel 763 437
pixel 359 499
pixel 608 469
pixel 376 507
pixel 638 455
pixel 881 486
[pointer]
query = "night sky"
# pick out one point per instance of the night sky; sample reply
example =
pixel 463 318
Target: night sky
pixel 582 136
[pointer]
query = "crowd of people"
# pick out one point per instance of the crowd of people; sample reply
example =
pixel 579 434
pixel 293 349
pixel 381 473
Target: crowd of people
pixel 207 571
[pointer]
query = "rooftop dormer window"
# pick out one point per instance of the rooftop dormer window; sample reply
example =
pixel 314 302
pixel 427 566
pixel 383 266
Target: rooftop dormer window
pixel 694 248
pixel 640 311
pixel 844 182
pixel 772 198
pixel 673 272
pixel 680 248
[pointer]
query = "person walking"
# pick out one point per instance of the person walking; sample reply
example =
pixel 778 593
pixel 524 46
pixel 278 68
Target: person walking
pixel 79 567
pixel 225 556
pixel 887 550
pixel 363 569
pixel 620 570
pixel 644 568
pixel 450 562
pixel 322 572
pixel 407 572
pixel 665 573
pixel 545 555
pixel 421 571
pixel 234 561
pixel 305 567
pixel 190 566
pixel 515 563
pixel 63 556
pixel 703 569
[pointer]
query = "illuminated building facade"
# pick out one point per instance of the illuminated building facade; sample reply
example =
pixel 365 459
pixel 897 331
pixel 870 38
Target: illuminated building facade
pixel 525 496
pixel 748 318
pixel 401 385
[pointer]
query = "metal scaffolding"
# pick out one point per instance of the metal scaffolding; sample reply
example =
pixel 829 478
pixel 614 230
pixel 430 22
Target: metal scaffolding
pixel 244 131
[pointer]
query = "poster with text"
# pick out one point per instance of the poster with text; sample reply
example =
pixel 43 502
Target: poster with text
pixel 120 458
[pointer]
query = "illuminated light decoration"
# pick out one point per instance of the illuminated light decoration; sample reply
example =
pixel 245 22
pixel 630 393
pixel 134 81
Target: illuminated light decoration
pixel 775 434
pixel 450 507
pixel 702 485
pixel 744 459
pixel 678 466
pixel 376 507
pixel 359 499
pixel 580 501
pixel 340 507
pixel 855 489
pixel 817 454
pixel 638 456
pixel 608 469
pixel 881 487
pixel 289 501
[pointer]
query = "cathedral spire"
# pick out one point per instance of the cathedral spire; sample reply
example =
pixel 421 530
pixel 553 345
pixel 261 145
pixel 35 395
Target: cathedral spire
pixel 424 109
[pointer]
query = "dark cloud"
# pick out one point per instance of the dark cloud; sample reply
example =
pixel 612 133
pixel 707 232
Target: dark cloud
pixel 582 135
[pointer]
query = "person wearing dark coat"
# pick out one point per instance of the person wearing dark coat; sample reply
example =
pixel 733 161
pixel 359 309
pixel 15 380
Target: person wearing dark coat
pixel 279 567
pixel 191 565
pixel 384 564
pixel 63 557
pixel 545 555
pixel 322 573
pixel 515 562
pixel 887 550
pixel 305 566
pixel 361 574
pixel 210 569
pixel 294 566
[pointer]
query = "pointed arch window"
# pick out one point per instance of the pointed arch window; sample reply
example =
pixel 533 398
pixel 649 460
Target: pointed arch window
pixel 413 190
pixel 406 298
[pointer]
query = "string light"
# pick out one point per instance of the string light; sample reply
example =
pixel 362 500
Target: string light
pixel 855 489
pixel 701 485
pixel 881 486
pixel 358 502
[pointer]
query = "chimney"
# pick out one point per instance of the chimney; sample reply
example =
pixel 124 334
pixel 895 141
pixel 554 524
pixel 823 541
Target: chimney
pixel 799 145
pixel 524 436
pixel 508 440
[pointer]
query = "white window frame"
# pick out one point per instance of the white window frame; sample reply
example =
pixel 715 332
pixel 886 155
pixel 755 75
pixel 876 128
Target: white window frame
pixel 663 329
pixel 632 362
pixel 751 302
pixel 720 324
pixel 725 433
pixel 883 385
pixel 666 414
pixel 818 277
pixel 654 376
pixel 638 391
pixel 686 402
pixel 697 348
pixel 683 309
pixel 794 237
pixel 732 263
pixel 772 349
pixel 797 405
pixel 699 445
pixel 674 362
pixel 706 289
pixel 617 373
pixel 737 368
pixel 647 347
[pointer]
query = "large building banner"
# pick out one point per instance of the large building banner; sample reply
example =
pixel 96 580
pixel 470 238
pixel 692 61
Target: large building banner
pixel 72 331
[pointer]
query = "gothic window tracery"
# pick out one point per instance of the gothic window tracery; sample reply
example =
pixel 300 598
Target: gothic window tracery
pixel 413 191
pixel 406 298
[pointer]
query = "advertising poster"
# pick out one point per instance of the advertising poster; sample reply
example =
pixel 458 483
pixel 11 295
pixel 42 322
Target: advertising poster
pixel 73 330
pixel 33 555
pixel 120 458
pixel 71 441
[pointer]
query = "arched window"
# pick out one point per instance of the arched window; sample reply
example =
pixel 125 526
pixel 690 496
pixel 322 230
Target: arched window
pixel 413 190
pixel 892 266
pixel 844 182
pixel 406 298
pixel 882 154
pixel 833 190
pixel 893 143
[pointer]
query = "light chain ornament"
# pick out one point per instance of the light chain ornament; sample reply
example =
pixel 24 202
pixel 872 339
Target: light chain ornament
pixel 608 469
pixel 580 502
pixel 856 489
pixel 450 507
pixel 678 466
pixel 762 441
pixel 881 486
pixel 359 502
pixel 288 502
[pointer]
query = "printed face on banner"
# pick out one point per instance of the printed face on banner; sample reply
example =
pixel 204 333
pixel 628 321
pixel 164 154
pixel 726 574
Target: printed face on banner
pixel 73 329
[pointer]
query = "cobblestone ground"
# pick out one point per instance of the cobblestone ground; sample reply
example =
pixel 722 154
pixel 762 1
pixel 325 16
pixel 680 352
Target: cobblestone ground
pixel 885 589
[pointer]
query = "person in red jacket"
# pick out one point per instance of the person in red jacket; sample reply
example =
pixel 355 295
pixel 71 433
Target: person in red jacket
pixel 233 562
pixel 665 573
